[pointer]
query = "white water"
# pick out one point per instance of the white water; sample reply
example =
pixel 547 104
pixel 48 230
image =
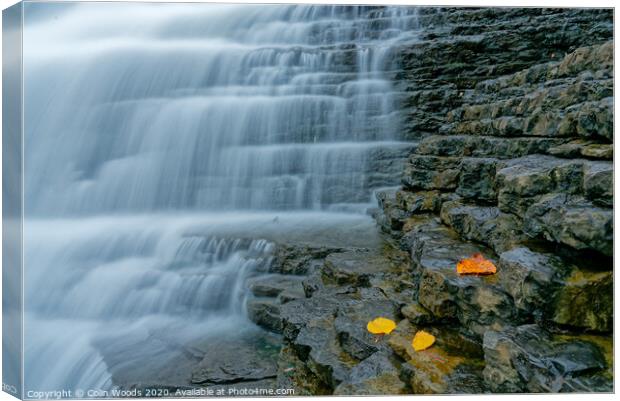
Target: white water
pixel 145 122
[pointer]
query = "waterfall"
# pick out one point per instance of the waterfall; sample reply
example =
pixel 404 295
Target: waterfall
pixel 156 134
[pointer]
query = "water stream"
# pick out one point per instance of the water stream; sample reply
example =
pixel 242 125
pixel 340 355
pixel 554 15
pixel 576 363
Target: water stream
pixel 161 142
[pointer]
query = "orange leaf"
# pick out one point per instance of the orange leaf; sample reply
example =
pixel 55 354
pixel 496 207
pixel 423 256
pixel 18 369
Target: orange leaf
pixel 477 264
pixel 422 340
pixel 381 325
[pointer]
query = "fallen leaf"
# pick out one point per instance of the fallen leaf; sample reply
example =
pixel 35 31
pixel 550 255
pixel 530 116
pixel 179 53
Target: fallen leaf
pixel 381 325
pixel 477 264
pixel 422 340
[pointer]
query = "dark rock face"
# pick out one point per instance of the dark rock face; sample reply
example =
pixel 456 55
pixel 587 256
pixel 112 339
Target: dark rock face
pixel 265 313
pixel 571 221
pixel 528 359
pixel 514 161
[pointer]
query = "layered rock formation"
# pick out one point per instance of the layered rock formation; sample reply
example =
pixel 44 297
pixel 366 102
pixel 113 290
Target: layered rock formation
pixel 510 111
pixel 517 167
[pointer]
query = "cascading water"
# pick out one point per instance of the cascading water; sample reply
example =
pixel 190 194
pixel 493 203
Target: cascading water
pixel 160 142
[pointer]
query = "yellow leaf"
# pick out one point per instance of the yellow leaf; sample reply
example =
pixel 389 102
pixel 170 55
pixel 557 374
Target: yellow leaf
pixel 477 264
pixel 381 325
pixel 422 340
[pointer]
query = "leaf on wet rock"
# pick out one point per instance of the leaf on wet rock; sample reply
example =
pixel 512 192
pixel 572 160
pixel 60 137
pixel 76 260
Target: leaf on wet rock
pixel 381 325
pixel 476 264
pixel 422 340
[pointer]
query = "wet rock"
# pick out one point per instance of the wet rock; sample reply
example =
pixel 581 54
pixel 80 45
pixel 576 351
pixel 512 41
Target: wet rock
pixel 386 197
pixel 352 318
pixel 585 301
pixel 445 368
pixel 477 179
pixel 598 183
pixel 524 180
pixel 430 172
pixel 531 278
pixel 593 119
pixel 376 375
pixel 312 284
pixel 571 221
pixel 294 374
pixel 353 267
pixel 227 361
pixel 477 302
pixel 532 175
pixel 296 314
pixel 504 126
pixel 555 289
pixel 484 224
pixel 392 216
pixel 528 359
pixel 513 157
pixel 317 341
pixel 274 285
pixel 418 202
pixel 598 151
pixel 299 259
pixel 417 314
pixel 581 148
pixel 290 295
pixel 265 312
pixel 485 146
pixel 593 57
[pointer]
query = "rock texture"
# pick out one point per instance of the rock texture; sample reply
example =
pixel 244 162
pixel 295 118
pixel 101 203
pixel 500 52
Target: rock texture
pixel 510 116
pixel 514 118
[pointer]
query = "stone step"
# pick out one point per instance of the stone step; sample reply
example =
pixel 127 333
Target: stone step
pixel 516 184
pixel 483 224
pixel 327 329
pixel 328 332
pixel 273 285
pixel 398 206
pixel 555 219
pixel 523 181
pixel 589 119
pixel 453 365
pixel 355 267
pixel 563 200
pixel 429 172
pixel 598 57
pixel 572 221
pixel 265 312
pixel 586 149
pixel 484 146
pixel 475 302
pixel 554 94
pixel 494 19
pixel 540 284
pixel 529 284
